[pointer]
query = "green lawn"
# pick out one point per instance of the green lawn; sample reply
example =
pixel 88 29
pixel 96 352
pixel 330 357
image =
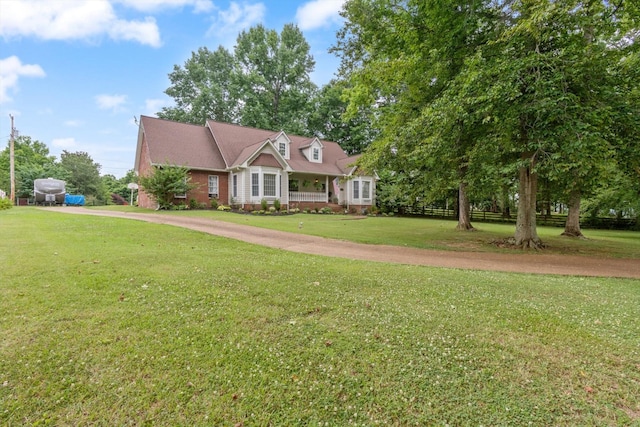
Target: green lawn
pixel 107 321
pixel 427 233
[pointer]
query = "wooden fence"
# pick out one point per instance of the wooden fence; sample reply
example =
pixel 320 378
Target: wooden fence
pixel 555 220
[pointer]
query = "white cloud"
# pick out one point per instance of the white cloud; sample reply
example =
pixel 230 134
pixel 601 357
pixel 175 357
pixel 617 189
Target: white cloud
pixel 199 6
pixel 64 143
pixel 319 13
pixel 229 23
pixel 73 20
pixel 153 106
pixel 110 102
pixel 73 123
pixel 11 69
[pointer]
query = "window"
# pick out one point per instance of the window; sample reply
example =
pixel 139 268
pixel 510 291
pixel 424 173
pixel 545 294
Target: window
pixel 213 186
pixel 255 185
pixel 366 189
pixel 269 185
pixel 316 153
pixel 234 189
pixel 282 148
pixel 356 189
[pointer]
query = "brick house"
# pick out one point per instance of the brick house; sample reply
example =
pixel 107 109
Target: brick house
pixel 242 166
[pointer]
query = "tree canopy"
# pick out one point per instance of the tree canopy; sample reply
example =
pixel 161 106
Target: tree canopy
pixel 264 83
pixel 470 92
pixel 83 173
pixel 32 161
pixel 203 89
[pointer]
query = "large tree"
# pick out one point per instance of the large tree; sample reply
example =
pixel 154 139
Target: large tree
pixel 329 119
pixel 273 78
pixel 203 88
pixel 479 87
pixel 265 82
pixel 411 72
pixel 84 173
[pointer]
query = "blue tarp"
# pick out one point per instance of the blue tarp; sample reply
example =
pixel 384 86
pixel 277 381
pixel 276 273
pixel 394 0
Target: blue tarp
pixel 74 200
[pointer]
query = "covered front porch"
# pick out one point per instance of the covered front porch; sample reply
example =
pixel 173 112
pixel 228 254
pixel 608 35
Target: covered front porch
pixel 312 189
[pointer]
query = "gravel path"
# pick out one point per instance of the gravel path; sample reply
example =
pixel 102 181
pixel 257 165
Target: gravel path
pixel 537 263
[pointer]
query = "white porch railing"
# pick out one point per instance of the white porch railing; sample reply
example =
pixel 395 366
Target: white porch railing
pixel 307 196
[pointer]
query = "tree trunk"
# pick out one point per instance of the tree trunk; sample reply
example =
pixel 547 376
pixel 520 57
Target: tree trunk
pixel 572 226
pixel 526 234
pixel 464 209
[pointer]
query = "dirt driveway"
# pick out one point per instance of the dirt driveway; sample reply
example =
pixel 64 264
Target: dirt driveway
pixel 518 262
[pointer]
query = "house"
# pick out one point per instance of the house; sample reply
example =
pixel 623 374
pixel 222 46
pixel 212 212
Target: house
pixel 241 166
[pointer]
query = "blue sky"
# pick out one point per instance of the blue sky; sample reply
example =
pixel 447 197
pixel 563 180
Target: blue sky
pixel 74 73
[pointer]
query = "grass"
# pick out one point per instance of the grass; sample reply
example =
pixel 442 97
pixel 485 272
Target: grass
pixel 428 233
pixel 107 321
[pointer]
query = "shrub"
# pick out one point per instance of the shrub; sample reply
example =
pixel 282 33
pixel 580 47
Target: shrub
pixel 277 205
pixel 214 203
pixel 117 199
pixel 5 204
pixel 264 204
pixel 224 208
pixel 272 209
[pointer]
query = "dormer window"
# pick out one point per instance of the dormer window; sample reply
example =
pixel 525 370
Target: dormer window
pixel 313 151
pixel 282 144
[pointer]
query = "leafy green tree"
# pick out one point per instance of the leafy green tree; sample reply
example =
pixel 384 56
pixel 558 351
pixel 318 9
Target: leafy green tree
pixel 409 73
pixel 83 173
pixel 203 88
pixel 468 89
pixel 165 182
pixel 32 161
pixel 273 77
pixel 329 121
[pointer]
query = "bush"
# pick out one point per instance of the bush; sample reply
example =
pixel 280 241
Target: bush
pixel 264 204
pixel 5 204
pixel 214 203
pixel 277 205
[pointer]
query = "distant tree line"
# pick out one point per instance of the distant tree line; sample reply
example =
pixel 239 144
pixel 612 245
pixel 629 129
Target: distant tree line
pixel 77 169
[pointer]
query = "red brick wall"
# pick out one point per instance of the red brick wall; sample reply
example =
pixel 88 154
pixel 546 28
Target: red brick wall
pixel 201 193
pixel 201 178
pixel 145 168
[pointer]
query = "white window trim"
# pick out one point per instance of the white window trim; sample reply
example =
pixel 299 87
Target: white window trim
pixel 360 199
pixel 261 172
pixel 213 194
pixel 234 185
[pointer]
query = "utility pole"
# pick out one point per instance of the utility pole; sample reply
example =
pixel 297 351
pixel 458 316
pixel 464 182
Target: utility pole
pixel 12 163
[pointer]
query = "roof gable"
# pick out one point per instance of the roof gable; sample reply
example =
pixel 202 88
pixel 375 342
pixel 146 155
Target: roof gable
pixel 222 146
pixel 179 144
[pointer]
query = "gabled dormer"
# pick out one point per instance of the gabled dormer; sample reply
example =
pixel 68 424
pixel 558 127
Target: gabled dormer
pixel 282 143
pixel 313 151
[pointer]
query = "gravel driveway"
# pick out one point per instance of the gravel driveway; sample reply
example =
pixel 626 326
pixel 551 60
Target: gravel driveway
pixel 537 263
